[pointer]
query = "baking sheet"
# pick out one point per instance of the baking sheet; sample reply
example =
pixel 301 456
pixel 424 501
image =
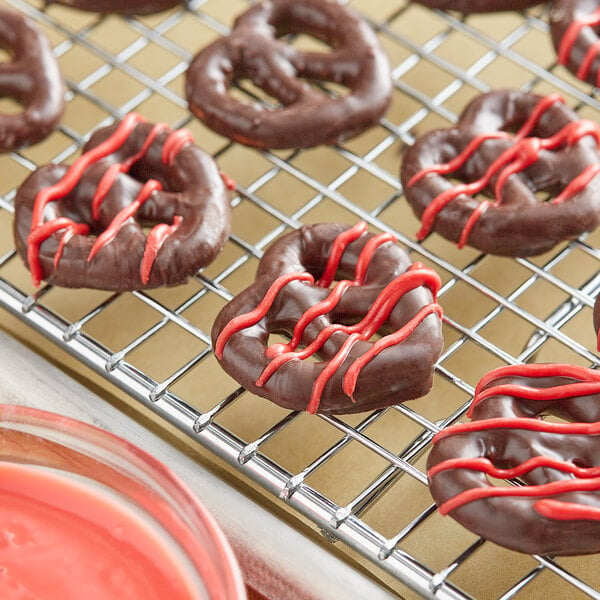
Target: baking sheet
pixel 360 479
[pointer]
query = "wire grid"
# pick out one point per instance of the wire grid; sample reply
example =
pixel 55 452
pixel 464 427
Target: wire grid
pixel 359 479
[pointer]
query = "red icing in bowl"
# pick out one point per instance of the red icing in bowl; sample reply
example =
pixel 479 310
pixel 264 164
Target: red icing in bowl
pixel 61 537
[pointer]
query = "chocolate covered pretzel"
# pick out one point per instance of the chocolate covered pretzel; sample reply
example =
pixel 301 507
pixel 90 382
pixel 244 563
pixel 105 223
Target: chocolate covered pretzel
pixel 83 225
pixel 306 116
pixel 574 25
pixel 479 6
pixel 32 78
pixel 554 505
pixel 507 147
pixel 333 289
pixel 123 7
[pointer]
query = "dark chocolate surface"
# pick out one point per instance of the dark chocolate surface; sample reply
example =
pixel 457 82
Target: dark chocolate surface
pixel 597 315
pixel 32 78
pixel 192 189
pixel 402 372
pixel 521 225
pixel 306 116
pixel 513 521
pixel 124 7
pixel 479 6
pixel 566 14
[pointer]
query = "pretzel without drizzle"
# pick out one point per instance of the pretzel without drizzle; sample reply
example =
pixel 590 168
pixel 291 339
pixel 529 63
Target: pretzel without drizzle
pixel 554 505
pixel 306 116
pixel 32 78
pixel 123 7
pixel 331 288
pixel 82 225
pixel 507 146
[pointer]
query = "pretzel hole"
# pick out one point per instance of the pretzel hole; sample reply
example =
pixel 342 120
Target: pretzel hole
pixel 9 106
pixel 543 195
pixel 245 91
pixel 495 482
pixel 582 464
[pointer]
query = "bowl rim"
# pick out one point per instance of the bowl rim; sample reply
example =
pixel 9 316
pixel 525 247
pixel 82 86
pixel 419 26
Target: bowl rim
pixel 103 439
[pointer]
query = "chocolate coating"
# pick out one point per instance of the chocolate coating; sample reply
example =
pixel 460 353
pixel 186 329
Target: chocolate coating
pixel 306 116
pixel 479 6
pixel 400 372
pixel 576 42
pixel 527 523
pixel 596 318
pixel 123 7
pixel 517 223
pixel 31 78
pixel 192 192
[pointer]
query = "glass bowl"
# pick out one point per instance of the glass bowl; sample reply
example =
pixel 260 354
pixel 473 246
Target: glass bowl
pixel 84 473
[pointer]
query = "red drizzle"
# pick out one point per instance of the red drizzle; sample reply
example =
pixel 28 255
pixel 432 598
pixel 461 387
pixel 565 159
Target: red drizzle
pixel 41 230
pixel 584 479
pixel 337 250
pixel 568 42
pixel 528 491
pixel 156 238
pixel 279 354
pixel 524 152
pixel 174 144
pixel 566 511
pixel 228 181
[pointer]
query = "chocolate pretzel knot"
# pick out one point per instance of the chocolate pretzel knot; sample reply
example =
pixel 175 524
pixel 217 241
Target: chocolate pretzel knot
pixel 82 226
pixel 377 291
pixel 307 116
pixel 507 145
pixel 31 78
pixel 556 509
pixel 479 6
pixel 574 25
pixel 123 7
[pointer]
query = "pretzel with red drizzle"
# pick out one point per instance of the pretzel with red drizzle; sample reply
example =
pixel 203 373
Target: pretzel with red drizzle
pixel 479 6
pixel 507 145
pixel 32 78
pixel 82 225
pixel 306 116
pixel 331 288
pixel 574 26
pixel 556 510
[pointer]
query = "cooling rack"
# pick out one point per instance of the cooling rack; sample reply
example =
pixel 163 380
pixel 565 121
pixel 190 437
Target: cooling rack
pixel 360 479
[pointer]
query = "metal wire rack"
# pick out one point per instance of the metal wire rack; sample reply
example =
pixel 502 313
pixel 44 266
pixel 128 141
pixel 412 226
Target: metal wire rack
pixel 359 479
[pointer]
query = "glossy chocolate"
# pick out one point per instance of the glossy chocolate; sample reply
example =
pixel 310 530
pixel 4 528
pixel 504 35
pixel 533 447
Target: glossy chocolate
pixel 330 287
pixel 32 78
pixel 597 320
pixel 82 226
pixel 123 7
pixel 479 6
pixel 574 26
pixel 306 116
pixel 556 510
pixel 507 145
